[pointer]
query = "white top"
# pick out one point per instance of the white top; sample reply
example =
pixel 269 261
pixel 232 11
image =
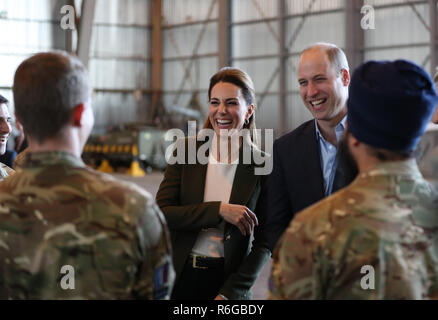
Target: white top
pixel 218 185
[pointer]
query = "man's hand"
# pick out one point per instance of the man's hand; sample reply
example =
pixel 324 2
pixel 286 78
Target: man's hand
pixel 240 216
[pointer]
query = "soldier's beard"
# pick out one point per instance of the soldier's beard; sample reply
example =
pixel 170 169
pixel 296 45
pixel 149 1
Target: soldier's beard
pixel 344 153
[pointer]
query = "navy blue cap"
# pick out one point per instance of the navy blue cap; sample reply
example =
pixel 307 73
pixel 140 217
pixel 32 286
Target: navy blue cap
pixel 390 104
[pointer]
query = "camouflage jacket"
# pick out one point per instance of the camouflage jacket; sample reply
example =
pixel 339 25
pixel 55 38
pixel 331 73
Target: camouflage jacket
pixel 19 159
pixel 5 171
pixel 69 232
pixel 375 239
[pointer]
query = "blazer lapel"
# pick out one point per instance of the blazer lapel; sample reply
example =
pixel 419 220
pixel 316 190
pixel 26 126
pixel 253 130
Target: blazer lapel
pixel 244 184
pixel 195 177
pixel 196 174
pixel 312 166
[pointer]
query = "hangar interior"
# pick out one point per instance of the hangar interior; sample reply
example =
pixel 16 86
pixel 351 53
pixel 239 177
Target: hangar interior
pixel 151 58
pixel 150 61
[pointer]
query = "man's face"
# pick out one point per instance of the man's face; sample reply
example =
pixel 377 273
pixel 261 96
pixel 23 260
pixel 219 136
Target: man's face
pixel 324 90
pixel 5 127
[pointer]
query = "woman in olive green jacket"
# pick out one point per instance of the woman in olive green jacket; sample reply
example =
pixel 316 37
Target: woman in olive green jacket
pixel 215 209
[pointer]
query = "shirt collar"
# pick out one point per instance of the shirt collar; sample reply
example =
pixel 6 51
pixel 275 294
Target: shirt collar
pixel 339 127
pixel 50 158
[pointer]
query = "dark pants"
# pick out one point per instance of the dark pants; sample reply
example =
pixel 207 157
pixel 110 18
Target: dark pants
pixel 200 283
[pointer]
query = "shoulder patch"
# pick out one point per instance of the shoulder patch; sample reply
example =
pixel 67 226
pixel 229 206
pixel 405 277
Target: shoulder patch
pixel 161 281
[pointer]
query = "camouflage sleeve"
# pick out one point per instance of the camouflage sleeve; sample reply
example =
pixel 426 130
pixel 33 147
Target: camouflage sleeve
pixel 19 159
pixel 293 273
pixel 156 274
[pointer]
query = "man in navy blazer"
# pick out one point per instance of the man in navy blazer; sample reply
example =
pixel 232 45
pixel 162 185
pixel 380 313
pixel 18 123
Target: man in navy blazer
pixel 307 163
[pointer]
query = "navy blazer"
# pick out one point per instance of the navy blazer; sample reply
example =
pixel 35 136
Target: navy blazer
pixel 296 181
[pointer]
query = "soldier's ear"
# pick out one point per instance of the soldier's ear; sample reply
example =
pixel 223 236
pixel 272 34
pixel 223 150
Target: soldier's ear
pixel 353 140
pixel 435 115
pixel 78 111
pixel 345 75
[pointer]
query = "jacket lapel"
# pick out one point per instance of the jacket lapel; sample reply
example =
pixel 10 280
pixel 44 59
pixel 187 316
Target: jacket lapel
pixel 312 166
pixel 243 185
pixel 196 174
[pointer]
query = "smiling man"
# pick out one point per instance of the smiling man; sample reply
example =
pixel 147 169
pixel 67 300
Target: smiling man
pixel 378 237
pixel 5 131
pixel 307 166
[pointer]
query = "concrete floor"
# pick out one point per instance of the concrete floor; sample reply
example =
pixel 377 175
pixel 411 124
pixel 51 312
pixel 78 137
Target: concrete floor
pixel 152 181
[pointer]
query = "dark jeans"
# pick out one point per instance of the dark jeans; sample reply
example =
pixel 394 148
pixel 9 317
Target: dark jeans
pixel 199 284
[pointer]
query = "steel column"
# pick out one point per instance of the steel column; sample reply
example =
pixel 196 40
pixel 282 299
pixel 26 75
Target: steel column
pixel 433 36
pixel 224 34
pixel 156 75
pixel 354 37
pixel 283 65
pixel 85 30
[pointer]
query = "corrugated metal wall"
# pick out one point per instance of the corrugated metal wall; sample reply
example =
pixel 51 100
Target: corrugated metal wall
pixel 120 57
pixel 26 27
pixel 189 28
pixel 401 31
pixel 255 49
pixel 120 61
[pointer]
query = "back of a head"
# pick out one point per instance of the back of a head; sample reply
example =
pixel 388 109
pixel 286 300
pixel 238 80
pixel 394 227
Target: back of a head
pixel 390 104
pixel 335 55
pixel 47 86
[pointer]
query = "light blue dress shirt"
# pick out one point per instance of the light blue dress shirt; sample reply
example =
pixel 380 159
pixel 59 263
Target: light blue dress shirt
pixel 329 162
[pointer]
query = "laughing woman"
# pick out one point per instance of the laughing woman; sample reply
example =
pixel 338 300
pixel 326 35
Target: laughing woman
pixel 215 211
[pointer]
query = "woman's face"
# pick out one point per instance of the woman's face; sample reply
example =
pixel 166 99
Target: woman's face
pixel 228 107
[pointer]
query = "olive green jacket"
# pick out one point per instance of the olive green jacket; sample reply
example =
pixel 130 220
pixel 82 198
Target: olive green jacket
pixel 180 197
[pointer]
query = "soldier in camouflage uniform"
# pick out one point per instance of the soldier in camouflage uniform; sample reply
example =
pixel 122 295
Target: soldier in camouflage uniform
pixel 67 231
pixel 5 131
pixel 378 237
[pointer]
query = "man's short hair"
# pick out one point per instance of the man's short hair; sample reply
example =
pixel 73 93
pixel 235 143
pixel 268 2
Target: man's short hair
pixel 336 55
pixel 3 100
pixel 47 87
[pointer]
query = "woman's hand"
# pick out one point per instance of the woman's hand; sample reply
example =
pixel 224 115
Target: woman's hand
pixel 240 216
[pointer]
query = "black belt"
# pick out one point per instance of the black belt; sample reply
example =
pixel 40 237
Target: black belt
pixel 203 262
